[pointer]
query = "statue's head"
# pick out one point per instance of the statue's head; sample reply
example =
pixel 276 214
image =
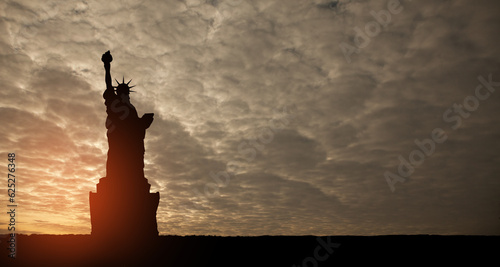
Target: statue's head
pixel 123 89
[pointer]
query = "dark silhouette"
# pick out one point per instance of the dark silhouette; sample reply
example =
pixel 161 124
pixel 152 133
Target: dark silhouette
pixel 275 251
pixel 123 212
pixel 126 131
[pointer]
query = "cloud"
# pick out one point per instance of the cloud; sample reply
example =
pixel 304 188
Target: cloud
pixel 215 73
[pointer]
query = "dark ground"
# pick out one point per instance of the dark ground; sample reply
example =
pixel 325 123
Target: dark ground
pixel 416 250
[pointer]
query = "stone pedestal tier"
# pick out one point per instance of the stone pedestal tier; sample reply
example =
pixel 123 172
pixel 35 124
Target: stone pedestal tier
pixel 123 210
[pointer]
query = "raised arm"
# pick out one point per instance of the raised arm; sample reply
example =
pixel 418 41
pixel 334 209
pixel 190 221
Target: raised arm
pixel 106 59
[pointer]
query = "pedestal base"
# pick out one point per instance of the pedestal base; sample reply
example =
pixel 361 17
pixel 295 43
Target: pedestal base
pixel 123 210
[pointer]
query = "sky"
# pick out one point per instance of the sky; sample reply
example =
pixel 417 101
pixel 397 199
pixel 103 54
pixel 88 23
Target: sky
pixel 297 117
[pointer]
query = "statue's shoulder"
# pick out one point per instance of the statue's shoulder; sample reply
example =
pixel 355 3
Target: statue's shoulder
pixel 109 94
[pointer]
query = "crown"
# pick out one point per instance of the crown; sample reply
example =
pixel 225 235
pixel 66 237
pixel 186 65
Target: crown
pixel 123 87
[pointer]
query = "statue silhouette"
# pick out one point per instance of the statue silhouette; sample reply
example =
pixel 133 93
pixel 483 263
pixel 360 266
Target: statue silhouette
pixel 123 211
pixel 126 131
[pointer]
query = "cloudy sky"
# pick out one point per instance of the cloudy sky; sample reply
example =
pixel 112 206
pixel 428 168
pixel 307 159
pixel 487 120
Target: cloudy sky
pixel 271 117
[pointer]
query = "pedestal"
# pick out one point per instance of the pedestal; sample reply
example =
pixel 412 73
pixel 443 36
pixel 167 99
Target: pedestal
pixel 123 210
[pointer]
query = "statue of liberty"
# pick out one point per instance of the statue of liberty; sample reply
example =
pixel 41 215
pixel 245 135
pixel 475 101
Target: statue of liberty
pixel 123 211
pixel 126 131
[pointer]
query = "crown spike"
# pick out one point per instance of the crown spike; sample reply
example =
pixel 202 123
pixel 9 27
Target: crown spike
pixel 117 81
pixel 123 79
pixel 129 81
